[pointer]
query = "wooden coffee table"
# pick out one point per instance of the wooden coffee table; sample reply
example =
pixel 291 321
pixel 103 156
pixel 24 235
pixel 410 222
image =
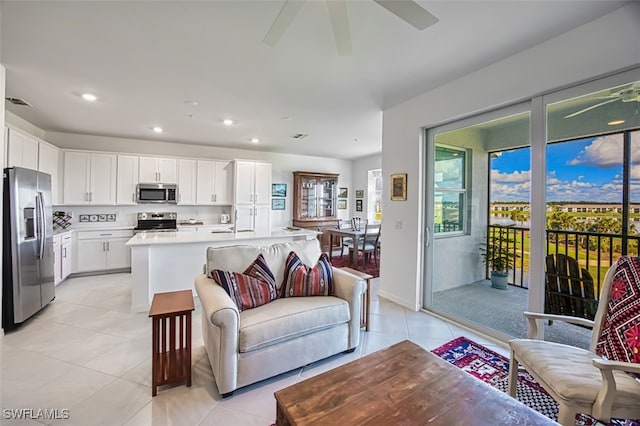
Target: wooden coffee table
pixel 403 384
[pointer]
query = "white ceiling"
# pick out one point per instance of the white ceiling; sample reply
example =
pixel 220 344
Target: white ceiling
pixel 145 59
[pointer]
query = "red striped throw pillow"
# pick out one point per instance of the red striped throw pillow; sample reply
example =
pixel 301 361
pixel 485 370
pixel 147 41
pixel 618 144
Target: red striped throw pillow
pixel 302 280
pixel 256 286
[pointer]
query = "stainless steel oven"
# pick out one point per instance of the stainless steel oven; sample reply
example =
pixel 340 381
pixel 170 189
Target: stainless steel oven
pixel 156 222
pixel 157 193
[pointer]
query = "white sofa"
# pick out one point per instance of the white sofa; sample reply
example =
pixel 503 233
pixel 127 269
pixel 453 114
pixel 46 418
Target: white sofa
pixel 255 344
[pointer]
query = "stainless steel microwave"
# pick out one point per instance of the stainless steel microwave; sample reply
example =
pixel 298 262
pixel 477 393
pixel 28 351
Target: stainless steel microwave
pixel 157 193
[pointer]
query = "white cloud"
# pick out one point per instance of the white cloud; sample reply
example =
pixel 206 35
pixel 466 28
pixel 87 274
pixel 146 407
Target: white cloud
pixel 606 152
pixel 513 177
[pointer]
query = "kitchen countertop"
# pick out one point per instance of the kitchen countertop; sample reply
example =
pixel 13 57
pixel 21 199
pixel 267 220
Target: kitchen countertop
pixel 203 236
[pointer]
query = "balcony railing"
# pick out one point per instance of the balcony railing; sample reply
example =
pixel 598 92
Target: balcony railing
pixel 595 252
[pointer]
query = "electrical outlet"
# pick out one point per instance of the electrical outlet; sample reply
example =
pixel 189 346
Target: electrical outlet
pixel 398 224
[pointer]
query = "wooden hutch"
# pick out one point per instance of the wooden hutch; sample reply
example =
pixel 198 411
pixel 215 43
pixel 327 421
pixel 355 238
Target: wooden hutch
pixel 314 202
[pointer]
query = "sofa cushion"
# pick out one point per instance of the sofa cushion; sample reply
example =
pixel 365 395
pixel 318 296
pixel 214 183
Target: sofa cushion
pixel 302 280
pixel 236 258
pixel 620 336
pixel 255 287
pixel 288 318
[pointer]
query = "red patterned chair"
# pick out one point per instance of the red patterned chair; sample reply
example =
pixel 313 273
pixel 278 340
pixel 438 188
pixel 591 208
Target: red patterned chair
pixel 601 382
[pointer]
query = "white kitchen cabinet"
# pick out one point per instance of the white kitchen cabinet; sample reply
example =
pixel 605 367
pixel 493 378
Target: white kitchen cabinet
pixel 127 179
pixel 158 169
pixel 48 157
pixel 89 178
pixel 22 150
pixel 187 182
pixel 255 217
pixel 62 256
pixel 103 250
pixel 215 180
pixel 57 259
pixel 252 182
pixel 253 195
pixel 67 255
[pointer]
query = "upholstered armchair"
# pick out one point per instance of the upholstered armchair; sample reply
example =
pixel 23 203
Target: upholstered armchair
pixel 584 381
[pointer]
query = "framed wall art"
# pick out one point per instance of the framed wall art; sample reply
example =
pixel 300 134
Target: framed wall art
pixel 342 204
pixel 359 193
pixel 279 190
pixel 343 193
pixel 399 187
pixel 277 203
pixel 358 205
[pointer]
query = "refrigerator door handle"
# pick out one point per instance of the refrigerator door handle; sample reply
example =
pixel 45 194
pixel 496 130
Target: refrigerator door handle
pixel 40 224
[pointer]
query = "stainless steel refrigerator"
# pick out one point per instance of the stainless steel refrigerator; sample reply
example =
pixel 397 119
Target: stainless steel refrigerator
pixel 27 238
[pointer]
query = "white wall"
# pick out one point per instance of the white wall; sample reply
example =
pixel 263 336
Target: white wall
pixel 361 167
pixel 597 48
pixel 283 165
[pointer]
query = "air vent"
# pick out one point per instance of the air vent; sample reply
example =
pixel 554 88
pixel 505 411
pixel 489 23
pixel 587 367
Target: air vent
pixel 17 101
pixel 299 136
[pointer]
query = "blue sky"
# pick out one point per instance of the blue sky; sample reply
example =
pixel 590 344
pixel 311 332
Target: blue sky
pixel 584 170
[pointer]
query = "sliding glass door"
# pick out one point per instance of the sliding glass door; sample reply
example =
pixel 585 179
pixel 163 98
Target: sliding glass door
pixel 507 188
pixel 465 177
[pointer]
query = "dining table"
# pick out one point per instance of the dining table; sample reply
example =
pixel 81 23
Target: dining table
pixel 354 234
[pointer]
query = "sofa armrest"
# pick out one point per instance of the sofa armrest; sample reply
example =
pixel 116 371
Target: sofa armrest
pixel 220 331
pixel 350 288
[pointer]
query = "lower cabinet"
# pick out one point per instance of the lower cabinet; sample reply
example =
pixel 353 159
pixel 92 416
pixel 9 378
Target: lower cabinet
pixel 62 255
pixel 103 250
pixel 57 259
pixel 66 255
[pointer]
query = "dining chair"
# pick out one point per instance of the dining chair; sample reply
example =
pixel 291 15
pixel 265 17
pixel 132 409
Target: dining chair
pixel 344 241
pixel 601 381
pixel 367 244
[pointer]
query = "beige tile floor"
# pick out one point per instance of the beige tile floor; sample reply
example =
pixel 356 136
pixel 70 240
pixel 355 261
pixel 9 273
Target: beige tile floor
pixel 88 354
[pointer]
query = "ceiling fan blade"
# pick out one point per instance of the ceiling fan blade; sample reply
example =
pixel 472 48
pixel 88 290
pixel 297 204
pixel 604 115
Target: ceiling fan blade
pixel 590 108
pixel 340 23
pixel 282 22
pixel 409 11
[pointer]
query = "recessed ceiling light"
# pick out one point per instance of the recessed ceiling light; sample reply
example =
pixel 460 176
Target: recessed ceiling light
pixel 89 97
pixel 192 103
pixel 255 140
pixel 615 122
pixel 157 129
pixel 286 117
pixel 227 122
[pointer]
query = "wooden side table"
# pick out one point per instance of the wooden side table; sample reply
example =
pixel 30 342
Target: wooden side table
pixel 366 297
pixel 171 344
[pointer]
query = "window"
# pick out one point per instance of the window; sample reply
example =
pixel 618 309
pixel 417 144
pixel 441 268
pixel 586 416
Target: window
pixel 450 194
pixel 374 195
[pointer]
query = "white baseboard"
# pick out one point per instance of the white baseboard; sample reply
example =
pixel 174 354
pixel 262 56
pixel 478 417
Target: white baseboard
pixel 395 299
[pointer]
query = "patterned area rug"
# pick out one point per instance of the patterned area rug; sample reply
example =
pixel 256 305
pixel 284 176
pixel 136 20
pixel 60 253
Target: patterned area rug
pixel 367 267
pixel 493 369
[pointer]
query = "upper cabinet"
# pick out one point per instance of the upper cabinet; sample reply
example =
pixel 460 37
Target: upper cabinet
pixel 48 162
pixel 186 182
pixel 314 199
pixel 252 182
pixel 157 169
pixel 127 179
pixel 215 182
pixel 22 150
pixel 89 178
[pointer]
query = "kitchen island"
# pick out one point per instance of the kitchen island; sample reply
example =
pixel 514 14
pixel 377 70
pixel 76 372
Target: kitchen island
pixel 170 261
